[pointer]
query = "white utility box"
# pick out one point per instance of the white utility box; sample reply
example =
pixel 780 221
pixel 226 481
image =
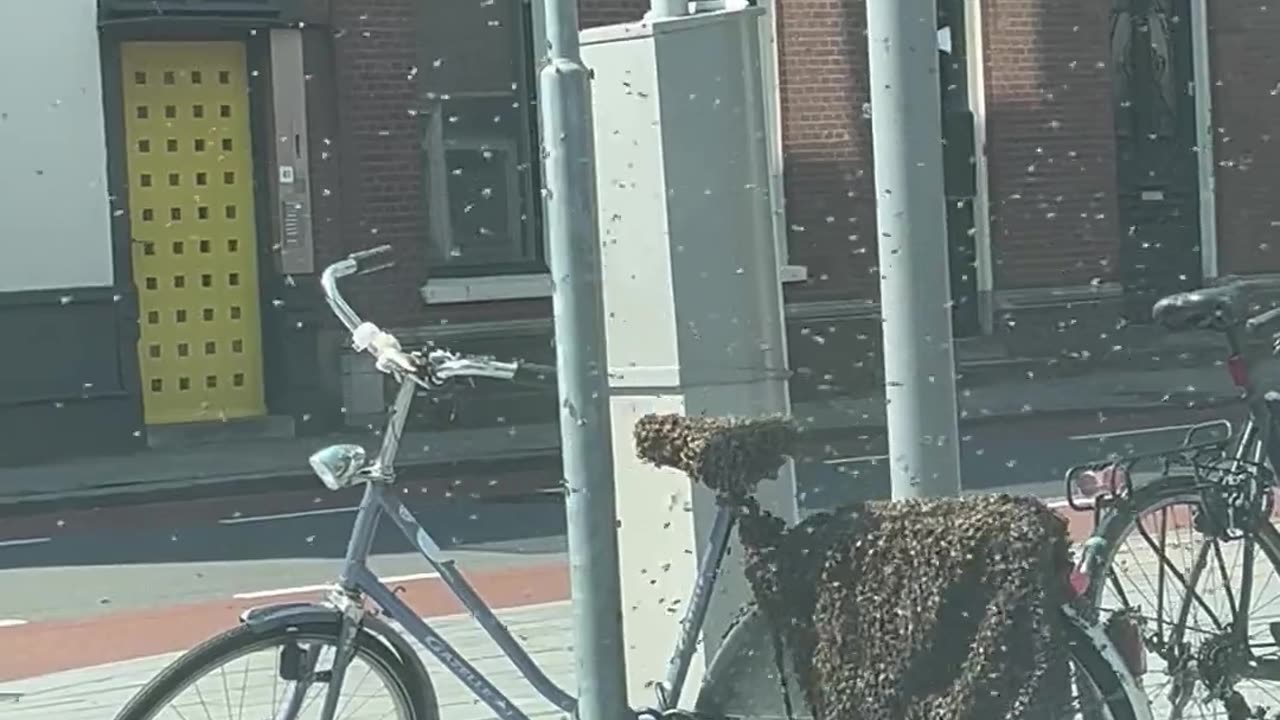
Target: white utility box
pixel 692 296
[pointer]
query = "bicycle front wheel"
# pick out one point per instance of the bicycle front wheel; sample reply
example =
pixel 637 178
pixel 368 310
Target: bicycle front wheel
pixel 282 674
pixel 1204 606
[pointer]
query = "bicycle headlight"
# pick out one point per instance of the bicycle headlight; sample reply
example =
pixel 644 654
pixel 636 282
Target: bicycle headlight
pixel 337 465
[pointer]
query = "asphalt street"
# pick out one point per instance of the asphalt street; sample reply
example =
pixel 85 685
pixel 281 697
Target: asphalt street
pixel 128 579
pixel 1030 455
pixel 69 571
pixel 90 562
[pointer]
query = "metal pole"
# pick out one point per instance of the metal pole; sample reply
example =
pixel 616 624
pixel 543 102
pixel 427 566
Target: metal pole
pixel 915 302
pixel 568 147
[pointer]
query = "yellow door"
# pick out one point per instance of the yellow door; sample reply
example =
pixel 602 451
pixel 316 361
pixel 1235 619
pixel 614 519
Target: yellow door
pixel 190 165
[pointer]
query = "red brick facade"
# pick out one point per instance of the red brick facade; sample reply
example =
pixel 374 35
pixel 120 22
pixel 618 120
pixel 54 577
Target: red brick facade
pixel 1051 145
pixel 383 184
pixel 1050 142
pixel 826 143
pixel 1246 111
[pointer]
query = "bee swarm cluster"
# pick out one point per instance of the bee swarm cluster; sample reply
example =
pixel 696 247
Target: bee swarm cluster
pixel 728 455
pixel 915 610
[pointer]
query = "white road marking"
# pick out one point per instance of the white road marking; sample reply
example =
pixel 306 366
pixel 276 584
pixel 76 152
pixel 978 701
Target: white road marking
pixel 25 541
pixel 240 519
pixel 858 459
pixel 1125 433
pixel 389 580
pixel 11 622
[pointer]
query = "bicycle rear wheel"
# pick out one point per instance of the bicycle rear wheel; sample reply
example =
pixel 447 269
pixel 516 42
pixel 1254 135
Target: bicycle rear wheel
pixel 1164 583
pixel 220 678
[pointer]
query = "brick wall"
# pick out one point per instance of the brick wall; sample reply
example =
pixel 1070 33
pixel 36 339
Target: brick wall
pixel 382 180
pixel 1051 142
pixel 1051 145
pixel 382 173
pixel 1246 112
pixel 827 147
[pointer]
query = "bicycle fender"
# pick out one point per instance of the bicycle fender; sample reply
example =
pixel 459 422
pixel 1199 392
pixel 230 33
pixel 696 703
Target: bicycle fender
pixel 266 618
pixel 741 679
pixel 1133 691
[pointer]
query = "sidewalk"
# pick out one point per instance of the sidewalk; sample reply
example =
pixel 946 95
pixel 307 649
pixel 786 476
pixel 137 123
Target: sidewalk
pixel 97 693
pixel 251 462
pixel 258 461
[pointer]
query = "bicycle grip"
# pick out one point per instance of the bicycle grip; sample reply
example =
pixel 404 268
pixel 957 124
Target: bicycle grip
pixel 534 374
pixel 372 260
pixel 1256 322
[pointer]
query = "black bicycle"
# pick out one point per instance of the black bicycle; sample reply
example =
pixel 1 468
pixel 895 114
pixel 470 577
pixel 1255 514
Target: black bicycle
pixel 1208 502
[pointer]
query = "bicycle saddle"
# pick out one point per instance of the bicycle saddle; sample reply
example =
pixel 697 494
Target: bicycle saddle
pixel 1212 308
pixel 729 455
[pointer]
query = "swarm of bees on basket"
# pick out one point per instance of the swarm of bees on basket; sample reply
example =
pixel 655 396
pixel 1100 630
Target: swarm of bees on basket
pixel 914 610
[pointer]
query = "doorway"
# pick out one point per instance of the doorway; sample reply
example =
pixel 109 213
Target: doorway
pixel 1158 186
pixel 959 167
pixel 194 250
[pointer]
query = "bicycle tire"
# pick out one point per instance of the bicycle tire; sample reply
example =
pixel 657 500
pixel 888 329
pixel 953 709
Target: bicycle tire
pixel 1115 525
pixel 1104 678
pixel 743 674
pixel 417 692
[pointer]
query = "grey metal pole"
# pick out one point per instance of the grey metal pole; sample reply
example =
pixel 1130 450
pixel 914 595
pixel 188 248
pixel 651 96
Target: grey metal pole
pixel 568 147
pixel 915 302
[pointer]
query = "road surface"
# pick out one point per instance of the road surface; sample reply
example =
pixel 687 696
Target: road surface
pixel 93 585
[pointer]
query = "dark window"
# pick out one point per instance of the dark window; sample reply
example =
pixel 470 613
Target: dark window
pixel 479 120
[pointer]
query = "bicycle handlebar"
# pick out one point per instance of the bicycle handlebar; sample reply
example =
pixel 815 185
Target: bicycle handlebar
pixel 1257 321
pixel 372 260
pixel 438 365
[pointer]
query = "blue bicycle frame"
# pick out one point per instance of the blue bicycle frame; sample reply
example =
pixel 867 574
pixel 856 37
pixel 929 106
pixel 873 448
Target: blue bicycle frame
pixel 357 581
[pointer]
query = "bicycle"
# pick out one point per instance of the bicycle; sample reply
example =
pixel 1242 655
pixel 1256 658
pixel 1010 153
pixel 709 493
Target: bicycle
pixel 1216 484
pixel 735 679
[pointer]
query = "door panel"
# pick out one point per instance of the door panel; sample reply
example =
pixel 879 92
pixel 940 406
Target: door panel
pixel 194 250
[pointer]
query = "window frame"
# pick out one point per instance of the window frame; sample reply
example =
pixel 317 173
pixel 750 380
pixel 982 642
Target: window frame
pixel 444 287
pixel 524 205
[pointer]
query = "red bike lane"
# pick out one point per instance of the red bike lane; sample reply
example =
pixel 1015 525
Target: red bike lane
pixel 57 645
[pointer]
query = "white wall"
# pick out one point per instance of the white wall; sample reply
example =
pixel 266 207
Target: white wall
pixel 54 213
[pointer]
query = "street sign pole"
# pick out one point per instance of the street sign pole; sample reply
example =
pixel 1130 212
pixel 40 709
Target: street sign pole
pixel 564 103
pixel 915 302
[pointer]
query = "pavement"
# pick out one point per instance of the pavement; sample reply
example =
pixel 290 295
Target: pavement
pixel 535 607
pixel 530 452
pixel 277 462
pixel 102 585
pixel 98 692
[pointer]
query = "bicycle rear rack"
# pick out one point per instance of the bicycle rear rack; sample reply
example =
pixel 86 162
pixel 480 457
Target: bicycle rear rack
pixel 1098 483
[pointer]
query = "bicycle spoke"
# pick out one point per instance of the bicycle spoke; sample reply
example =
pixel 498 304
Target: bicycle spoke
pixel 244 687
pixel 203 703
pixel 1226 582
pixel 1165 563
pixel 296 666
pixel 1202 607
